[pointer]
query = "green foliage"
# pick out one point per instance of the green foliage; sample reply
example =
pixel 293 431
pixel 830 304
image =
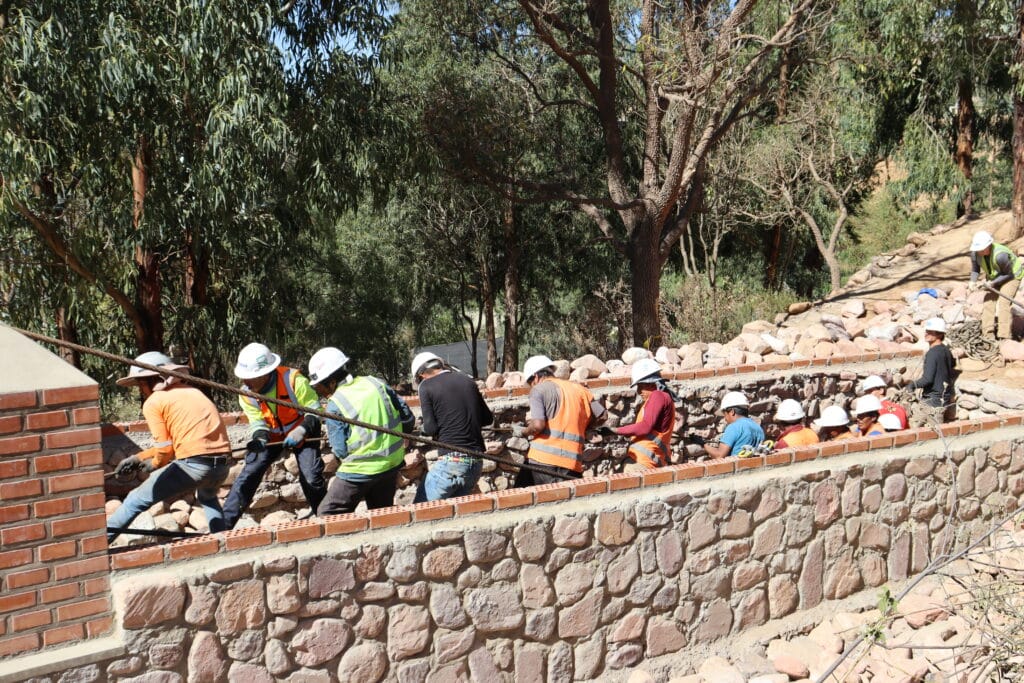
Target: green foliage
pixel 695 311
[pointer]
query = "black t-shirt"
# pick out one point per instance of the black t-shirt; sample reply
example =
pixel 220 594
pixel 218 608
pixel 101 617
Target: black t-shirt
pixel 937 376
pixel 453 410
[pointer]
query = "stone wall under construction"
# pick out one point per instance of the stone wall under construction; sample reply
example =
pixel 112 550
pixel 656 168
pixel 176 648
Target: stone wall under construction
pixel 570 581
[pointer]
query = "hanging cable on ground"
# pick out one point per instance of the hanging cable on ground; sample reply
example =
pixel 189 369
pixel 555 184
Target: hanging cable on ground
pixel 198 381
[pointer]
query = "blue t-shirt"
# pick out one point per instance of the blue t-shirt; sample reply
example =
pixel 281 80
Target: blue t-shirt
pixel 742 432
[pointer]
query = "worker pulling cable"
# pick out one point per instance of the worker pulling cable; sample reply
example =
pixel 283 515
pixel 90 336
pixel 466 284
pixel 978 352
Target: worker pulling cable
pixel 217 386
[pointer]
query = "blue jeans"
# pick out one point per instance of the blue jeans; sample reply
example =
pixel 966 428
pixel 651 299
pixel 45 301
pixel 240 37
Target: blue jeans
pixel 181 476
pixel 311 478
pixel 449 478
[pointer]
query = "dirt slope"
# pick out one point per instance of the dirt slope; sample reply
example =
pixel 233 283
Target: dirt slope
pixel 943 259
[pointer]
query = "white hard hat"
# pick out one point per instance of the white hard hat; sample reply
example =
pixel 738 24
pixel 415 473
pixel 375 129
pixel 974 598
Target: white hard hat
pixel 149 358
pixel 981 240
pixel 833 416
pixel 535 364
pixel 325 363
pixel 890 422
pixel 255 360
pixel 422 359
pixel 789 410
pixel 872 382
pixel 645 368
pixel 868 403
pixel 733 399
pixel 935 325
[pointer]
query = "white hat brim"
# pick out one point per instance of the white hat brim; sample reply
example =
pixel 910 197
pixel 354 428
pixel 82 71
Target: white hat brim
pixel 241 373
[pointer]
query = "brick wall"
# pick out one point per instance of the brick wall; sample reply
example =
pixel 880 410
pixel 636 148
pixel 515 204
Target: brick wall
pixel 54 583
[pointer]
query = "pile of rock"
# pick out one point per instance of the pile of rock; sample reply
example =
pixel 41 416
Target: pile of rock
pixel 960 624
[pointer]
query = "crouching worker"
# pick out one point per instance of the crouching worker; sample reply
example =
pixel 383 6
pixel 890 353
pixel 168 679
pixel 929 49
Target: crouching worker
pixel 651 434
pixel 834 424
pixel 192 449
pixel 370 460
pixel 274 428
pixel 740 430
pixel 790 415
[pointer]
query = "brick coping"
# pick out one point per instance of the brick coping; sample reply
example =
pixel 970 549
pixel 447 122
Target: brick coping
pixel 522 391
pixel 402 515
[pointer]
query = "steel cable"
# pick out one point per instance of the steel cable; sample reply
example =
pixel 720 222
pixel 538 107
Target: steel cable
pixel 198 381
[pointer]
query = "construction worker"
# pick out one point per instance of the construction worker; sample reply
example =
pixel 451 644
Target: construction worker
pixel 890 422
pixel 740 430
pixel 560 413
pixel 274 428
pixel 192 450
pixel 790 414
pixel 1003 272
pixel 866 411
pixel 454 411
pixel 937 377
pixel 370 460
pixel 651 434
pixel 875 385
pixel 833 424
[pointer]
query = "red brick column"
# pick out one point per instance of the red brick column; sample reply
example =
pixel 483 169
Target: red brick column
pixel 54 584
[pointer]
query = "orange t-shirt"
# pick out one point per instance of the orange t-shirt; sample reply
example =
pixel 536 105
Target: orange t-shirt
pixel 184 422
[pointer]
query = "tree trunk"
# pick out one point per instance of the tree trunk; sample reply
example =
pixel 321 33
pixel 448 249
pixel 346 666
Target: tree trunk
pixel 771 271
pixel 197 272
pixel 965 141
pixel 645 270
pixel 67 331
pixel 1018 132
pixel 513 290
pixel 487 295
pixel 147 262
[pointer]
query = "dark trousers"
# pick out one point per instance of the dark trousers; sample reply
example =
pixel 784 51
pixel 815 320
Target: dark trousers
pixel 527 477
pixel 344 495
pixel 311 479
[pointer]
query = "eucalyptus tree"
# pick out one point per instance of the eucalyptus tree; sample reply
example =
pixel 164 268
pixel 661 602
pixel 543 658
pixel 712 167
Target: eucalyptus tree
pixel 160 158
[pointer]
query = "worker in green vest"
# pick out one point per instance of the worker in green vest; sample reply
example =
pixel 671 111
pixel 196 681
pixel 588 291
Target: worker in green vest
pixel 1003 271
pixel 370 460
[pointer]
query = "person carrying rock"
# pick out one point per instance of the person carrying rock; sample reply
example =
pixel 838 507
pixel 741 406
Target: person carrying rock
pixel 454 412
pixel 833 424
pixel 1003 271
pixel 874 385
pixel 192 451
pixel 938 377
pixel 274 428
pixel 740 430
pixel 560 414
pixel 370 460
pixel 790 414
pixel 651 434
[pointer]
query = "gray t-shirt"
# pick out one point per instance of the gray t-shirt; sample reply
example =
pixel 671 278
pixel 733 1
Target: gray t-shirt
pixel 546 399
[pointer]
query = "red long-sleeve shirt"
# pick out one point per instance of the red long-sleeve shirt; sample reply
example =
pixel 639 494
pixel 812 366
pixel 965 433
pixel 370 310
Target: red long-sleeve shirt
pixel 658 413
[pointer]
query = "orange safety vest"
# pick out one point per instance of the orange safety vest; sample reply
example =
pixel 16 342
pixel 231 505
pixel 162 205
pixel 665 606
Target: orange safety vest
pixel 652 449
pixel 561 442
pixel 280 419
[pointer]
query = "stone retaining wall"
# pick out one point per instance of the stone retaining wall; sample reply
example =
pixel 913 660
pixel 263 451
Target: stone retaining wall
pixel 570 581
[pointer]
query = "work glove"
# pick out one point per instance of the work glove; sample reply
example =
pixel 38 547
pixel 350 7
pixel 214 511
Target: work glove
pixel 607 431
pixel 295 437
pixel 256 445
pixel 973 286
pixel 696 439
pixel 518 430
pixel 132 464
